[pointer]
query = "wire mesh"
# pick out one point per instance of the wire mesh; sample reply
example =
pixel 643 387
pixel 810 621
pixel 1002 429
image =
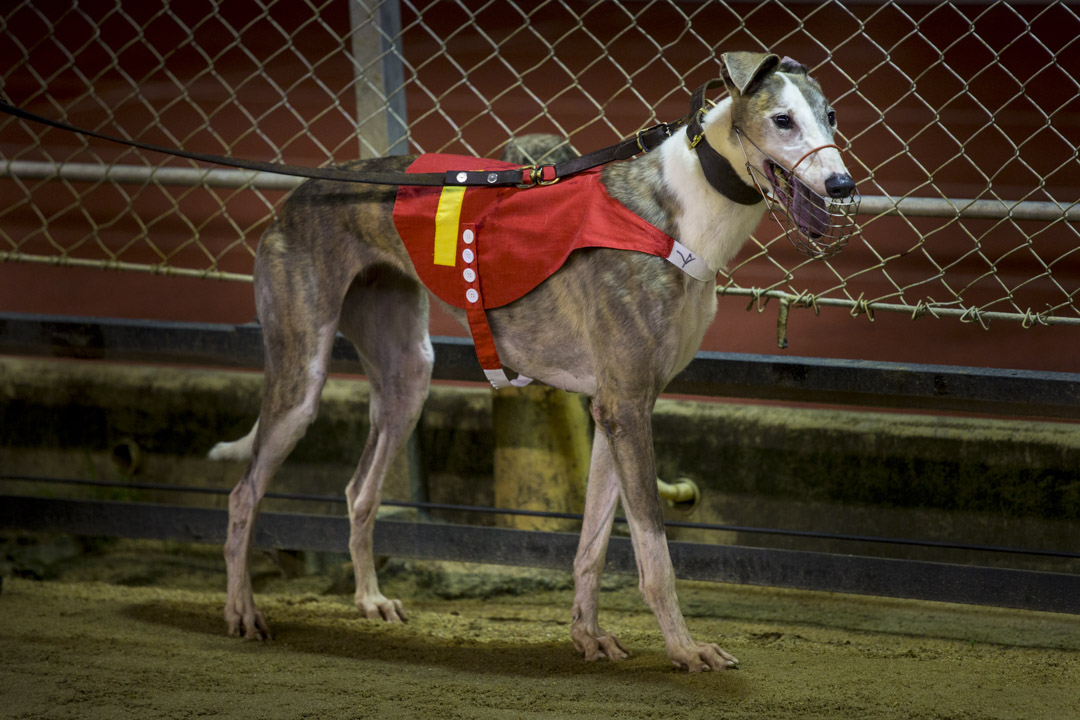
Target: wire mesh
pixel 957 119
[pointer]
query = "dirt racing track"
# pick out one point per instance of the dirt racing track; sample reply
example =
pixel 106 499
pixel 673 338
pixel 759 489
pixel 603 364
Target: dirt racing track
pixel 134 629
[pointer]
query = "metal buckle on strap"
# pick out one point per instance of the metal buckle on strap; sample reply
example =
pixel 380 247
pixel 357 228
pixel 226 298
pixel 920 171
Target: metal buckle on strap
pixel 698 137
pixel 536 176
pixel 664 127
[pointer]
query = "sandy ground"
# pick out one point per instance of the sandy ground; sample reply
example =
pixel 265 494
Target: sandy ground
pixel 134 629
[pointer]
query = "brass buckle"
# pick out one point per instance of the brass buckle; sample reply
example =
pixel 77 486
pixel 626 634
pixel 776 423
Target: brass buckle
pixel 540 175
pixel 641 133
pixel 536 175
pixel 700 136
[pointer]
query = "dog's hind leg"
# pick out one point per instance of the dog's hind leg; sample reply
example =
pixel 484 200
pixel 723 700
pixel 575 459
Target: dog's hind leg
pixel 386 316
pixel 600 501
pixel 290 401
pixel 298 335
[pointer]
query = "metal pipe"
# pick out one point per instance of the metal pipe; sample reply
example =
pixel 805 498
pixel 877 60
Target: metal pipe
pixel 211 177
pixel 969 208
pixel 113 264
pixel 682 494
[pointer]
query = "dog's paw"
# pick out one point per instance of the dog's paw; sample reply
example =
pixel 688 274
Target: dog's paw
pixel 246 621
pixel 598 646
pixel 377 607
pixel 697 657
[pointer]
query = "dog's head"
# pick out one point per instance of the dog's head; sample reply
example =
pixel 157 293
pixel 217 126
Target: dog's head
pixel 783 111
pixel 786 126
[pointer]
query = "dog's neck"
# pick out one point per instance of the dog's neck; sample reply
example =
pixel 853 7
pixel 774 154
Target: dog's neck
pixel 709 223
pixel 668 189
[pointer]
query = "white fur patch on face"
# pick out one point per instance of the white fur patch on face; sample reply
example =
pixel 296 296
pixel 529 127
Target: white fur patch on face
pixel 811 130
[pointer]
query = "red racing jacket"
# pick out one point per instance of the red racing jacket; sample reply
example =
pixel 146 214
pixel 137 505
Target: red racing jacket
pixel 478 248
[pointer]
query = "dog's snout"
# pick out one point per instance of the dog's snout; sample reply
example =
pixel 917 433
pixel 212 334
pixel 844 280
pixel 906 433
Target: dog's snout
pixel 839 185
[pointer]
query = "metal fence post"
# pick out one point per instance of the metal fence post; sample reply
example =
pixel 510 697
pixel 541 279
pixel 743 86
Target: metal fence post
pixel 380 77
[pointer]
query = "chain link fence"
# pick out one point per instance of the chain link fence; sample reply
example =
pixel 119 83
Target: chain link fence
pixel 960 123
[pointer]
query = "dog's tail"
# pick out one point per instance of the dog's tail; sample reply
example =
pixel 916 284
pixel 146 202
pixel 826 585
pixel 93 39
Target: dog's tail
pixel 237 450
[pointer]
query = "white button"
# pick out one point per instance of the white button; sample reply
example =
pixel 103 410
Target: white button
pixel 468 255
pixel 462 177
pixel 468 236
pixel 471 295
pixel 469 274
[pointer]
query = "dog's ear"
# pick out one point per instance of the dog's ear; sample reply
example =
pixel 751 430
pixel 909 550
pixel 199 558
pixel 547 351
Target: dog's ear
pixel 743 72
pixel 789 65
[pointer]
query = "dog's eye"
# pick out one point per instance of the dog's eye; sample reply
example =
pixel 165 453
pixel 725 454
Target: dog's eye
pixel 782 121
pixel 832 118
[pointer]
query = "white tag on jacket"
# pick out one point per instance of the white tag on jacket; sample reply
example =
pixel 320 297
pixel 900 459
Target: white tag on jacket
pixel 684 259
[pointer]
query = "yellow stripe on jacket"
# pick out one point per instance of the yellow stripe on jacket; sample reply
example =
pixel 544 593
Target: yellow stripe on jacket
pixel 447 219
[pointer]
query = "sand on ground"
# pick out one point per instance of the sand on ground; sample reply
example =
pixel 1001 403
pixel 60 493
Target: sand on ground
pixel 134 629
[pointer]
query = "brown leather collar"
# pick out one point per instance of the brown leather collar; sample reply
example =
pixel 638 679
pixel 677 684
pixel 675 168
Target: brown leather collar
pixel 718 170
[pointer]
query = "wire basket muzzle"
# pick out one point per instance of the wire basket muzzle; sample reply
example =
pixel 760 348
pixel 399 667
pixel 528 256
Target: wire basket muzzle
pixel 817 226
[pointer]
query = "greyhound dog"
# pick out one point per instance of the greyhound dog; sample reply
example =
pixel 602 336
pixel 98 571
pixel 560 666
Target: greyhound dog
pixel 614 325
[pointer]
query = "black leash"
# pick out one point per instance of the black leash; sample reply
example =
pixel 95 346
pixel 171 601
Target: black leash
pixel 526 176
pixel 258 165
pixel 718 171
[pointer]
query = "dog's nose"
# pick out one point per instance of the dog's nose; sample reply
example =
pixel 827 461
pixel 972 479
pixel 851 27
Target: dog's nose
pixel 839 185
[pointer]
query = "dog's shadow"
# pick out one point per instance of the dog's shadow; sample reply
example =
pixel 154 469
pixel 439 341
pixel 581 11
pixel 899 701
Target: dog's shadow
pixel 352 637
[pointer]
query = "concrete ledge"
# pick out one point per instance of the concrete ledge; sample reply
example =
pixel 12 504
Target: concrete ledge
pixel 973 480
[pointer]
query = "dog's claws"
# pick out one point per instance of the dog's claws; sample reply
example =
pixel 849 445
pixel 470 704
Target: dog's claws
pixel 380 608
pixel 701 657
pixel 609 647
pixel 249 625
pixel 256 630
pixel 599 646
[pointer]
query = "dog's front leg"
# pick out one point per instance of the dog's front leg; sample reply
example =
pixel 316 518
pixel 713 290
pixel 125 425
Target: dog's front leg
pixel 600 500
pixel 627 428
